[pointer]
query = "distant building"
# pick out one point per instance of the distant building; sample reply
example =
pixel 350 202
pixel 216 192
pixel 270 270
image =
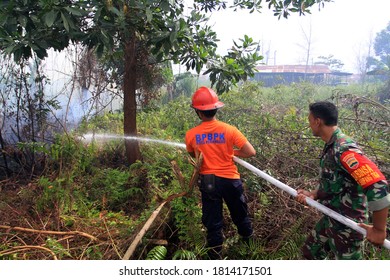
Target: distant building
pixel 288 74
pixel 378 75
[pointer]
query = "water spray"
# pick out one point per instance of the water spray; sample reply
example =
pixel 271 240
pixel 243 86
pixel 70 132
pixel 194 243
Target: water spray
pixel 90 137
pixel 311 202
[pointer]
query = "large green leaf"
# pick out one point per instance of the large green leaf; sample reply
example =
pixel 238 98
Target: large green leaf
pixel 74 11
pixel 65 21
pixel 50 17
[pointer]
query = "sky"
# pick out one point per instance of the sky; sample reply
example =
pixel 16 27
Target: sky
pixel 341 28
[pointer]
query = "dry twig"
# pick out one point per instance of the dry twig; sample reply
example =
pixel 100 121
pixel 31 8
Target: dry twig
pixel 25 248
pixel 112 241
pixel 8 228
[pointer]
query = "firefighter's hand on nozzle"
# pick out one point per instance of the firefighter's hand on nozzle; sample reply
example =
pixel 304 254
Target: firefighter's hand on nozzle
pixel 302 194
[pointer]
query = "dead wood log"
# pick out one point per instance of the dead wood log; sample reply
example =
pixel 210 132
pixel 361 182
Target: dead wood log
pixel 149 222
pixel 9 228
pixel 195 175
pixel 142 232
pixel 17 249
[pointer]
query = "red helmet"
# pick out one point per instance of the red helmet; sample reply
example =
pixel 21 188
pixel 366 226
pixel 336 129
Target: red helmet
pixel 205 99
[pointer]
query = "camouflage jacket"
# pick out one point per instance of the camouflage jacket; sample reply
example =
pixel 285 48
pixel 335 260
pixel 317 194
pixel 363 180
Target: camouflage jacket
pixel 339 187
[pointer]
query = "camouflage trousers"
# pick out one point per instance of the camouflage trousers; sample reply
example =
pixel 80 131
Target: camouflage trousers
pixel 332 240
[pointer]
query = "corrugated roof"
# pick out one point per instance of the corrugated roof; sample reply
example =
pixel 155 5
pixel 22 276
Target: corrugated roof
pixel 321 69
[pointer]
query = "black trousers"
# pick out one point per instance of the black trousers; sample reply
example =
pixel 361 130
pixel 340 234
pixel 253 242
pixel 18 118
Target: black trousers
pixel 230 191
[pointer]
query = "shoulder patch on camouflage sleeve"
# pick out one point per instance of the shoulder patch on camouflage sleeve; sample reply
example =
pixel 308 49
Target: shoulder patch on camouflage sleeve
pixel 361 168
pixel 350 160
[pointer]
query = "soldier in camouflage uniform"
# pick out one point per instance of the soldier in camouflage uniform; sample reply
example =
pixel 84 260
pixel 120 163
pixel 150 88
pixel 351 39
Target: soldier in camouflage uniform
pixel 350 184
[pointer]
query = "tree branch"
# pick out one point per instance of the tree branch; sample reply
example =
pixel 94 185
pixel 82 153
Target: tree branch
pixel 155 213
pixel 27 247
pixel 9 228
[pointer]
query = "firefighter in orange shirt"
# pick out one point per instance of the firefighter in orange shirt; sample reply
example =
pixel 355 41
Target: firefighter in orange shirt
pixel 219 178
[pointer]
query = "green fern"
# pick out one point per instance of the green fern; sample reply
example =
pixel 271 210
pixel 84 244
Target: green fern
pixel 252 250
pixel 157 253
pixel 291 241
pixel 289 251
pixel 184 255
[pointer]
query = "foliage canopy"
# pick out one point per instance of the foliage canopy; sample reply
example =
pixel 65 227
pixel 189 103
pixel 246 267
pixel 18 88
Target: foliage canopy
pixel 33 27
pixel 130 33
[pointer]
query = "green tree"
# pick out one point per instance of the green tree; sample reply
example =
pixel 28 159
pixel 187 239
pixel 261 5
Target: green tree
pixel 184 84
pixel 381 62
pixel 125 30
pixel 382 46
pixel 334 64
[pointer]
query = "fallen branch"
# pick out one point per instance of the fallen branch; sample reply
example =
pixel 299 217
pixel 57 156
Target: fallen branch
pixel 197 164
pixel 178 174
pixel 149 222
pixel 17 249
pixel 9 228
pixel 142 232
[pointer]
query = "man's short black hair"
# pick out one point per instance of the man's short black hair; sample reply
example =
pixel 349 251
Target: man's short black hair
pixel 209 113
pixel 325 111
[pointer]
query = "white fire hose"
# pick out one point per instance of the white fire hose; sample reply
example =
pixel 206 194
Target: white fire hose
pixel 327 211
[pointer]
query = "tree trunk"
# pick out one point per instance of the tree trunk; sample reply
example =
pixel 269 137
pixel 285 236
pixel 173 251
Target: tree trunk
pixel 2 146
pixel 129 101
